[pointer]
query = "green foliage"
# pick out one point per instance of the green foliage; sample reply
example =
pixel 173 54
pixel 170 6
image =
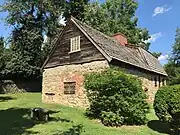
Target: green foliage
pixel 116 98
pixel 167 102
pixel 173 66
pixel 5 55
pixel 75 8
pixel 17 67
pixel 48 45
pixel 2 49
pixel 117 16
pixel 176 48
pixel 30 20
pixel 173 71
pixel 111 119
pixel 156 54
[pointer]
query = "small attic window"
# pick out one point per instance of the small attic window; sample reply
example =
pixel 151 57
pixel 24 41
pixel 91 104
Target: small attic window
pixel 75 44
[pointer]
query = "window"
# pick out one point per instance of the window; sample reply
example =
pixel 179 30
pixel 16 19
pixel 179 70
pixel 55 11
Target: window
pixel 49 96
pixel 75 44
pixel 155 81
pixel 159 81
pixel 69 87
pixel 163 82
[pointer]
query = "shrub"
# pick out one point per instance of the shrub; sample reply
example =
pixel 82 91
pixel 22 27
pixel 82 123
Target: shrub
pixel 116 98
pixel 167 106
pixel 167 102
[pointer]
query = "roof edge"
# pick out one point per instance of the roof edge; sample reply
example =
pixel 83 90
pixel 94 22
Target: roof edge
pixel 92 41
pixel 140 66
pixel 54 46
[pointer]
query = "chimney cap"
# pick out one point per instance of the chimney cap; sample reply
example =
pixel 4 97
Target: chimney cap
pixel 119 33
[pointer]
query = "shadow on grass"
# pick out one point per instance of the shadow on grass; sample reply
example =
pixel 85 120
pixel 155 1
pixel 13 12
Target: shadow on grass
pixel 6 98
pixel 15 121
pixel 59 119
pixel 159 126
pixel 74 130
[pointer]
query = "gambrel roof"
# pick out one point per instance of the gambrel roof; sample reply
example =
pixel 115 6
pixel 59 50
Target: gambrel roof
pixel 110 48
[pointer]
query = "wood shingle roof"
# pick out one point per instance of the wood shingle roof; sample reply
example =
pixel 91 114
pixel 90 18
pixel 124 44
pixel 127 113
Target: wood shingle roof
pixel 112 50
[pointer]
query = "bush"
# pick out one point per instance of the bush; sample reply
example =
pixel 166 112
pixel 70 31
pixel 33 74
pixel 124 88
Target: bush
pixel 167 102
pixel 116 98
pixel 167 106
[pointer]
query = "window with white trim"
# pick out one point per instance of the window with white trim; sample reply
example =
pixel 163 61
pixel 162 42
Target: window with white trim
pixel 75 44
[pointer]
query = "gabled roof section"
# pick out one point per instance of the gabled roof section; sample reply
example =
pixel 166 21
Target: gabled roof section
pixel 112 50
pixel 85 33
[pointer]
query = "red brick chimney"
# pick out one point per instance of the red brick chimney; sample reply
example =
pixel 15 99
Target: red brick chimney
pixel 121 38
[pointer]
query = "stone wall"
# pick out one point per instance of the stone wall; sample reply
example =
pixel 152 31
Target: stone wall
pixel 54 78
pixel 148 82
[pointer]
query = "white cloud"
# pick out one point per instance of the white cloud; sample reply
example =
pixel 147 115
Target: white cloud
pixel 161 10
pixel 163 57
pixel 154 37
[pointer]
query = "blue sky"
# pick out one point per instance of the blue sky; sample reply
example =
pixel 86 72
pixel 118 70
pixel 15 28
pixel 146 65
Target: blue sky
pixel 160 17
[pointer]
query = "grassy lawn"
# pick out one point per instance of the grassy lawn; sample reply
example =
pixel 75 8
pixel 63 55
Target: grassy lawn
pixel 14 120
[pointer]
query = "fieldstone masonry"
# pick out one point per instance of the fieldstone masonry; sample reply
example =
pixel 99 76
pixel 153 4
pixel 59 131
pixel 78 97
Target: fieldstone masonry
pixel 148 82
pixel 54 78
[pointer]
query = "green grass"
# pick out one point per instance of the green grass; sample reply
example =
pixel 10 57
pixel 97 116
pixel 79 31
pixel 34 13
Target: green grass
pixel 14 120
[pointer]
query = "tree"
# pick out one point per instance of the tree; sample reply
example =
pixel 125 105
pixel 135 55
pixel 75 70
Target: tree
pixel 176 49
pixel 156 54
pixel 2 49
pixel 48 44
pixel 117 16
pixel 75 8
pixel 173 66
pixel 5 56
pixel 30 21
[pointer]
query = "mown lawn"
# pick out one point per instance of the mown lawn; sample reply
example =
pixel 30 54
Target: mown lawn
pixel 14 120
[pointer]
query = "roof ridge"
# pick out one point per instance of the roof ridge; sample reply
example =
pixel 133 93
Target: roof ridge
pixel 144 58
pixel 76 21
pixel 135 55
pixel 122 53
pixel 82 23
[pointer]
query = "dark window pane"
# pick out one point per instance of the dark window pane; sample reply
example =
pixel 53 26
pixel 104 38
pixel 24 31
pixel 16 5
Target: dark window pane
pixel 69 87
pixel 155 82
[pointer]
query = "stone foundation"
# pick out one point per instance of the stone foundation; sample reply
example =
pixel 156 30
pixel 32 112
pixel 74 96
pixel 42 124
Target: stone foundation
pixel 54 78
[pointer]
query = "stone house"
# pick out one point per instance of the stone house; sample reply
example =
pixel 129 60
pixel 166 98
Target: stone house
pixel 81 49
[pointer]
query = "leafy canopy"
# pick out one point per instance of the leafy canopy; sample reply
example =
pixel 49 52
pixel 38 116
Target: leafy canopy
pixel 30 20
pixel 173 66
pixel 75 8
pixel 117 16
